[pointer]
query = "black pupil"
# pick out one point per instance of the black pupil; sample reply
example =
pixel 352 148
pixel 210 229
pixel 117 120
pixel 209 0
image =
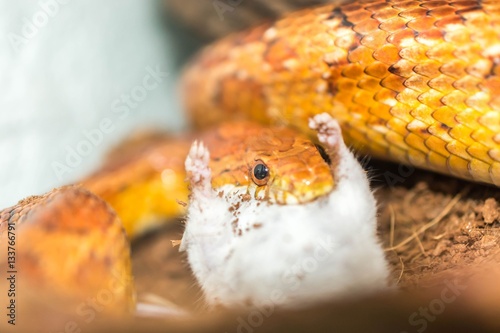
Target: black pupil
pixel 260 171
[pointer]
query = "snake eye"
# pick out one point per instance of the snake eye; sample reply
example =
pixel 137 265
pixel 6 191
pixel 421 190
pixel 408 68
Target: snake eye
pixel 260 173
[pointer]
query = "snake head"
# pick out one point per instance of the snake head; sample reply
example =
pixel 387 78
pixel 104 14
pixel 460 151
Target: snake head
pixel 271 212
pixel 278 165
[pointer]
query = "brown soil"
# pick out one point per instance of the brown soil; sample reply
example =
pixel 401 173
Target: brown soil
pixel 431 225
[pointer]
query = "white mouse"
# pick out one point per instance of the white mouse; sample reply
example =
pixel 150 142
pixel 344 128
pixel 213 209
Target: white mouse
pixel 247 247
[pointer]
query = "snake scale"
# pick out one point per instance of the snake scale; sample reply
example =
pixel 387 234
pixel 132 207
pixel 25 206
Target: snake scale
pixel 415 82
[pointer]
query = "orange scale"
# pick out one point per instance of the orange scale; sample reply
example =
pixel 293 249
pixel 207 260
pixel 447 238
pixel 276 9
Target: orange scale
pixel 480 152
pixel 442 52
pixel 480 171
pixel 381 112
pixel 494 154
pixel 467 84
pixel 414 12
pixel 378 7
pixel 455 99
pixel 468 117
pixel 458 37
pixel 495 173
pixel 398 154
pixel 445 22
pixel 406 5
pixel 455 68
pixel 377 69
pixel 492 84
pixel 417 158
pixel 401 37
pixel 403 68
pixel 437 145
pixel 384 14
pixel 431 37
pixel 434 4
pixel 375 39
pixel 392 24
pixel 417 82
pixel 388 54
pixel 402 113
pixel 358 16
pixel 396 140
pixel 458 166
pixel 418 127
pixel 386 97
pixel 346 41
pixel 364 98
pixel 459 149
pixel 416 142
pixel 480 101
pixel 369 83
pixel 415 53
pixel 431 98
pixel 491 120
pixel 445 115
pixel 480 68
pixel 462 134
pixel 345 84
pixel 484 136
pixel 361 55
pixel 437 162
pixel 423 113
pixel 352 71
pixel 366 26
pixel 398 126
pixel 421 23
pixel 394 83
pixel 442 83
pixel 353 7
pixel 409 97
pixel 429 69
pixel 442 11
pixel 359 141
pixel 468 53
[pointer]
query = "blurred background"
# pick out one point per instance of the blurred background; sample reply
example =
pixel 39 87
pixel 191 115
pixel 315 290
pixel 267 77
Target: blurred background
pixel 67 66
pixel 77 77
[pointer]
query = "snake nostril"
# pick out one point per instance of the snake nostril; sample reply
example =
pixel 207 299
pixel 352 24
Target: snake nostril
pixel 324 154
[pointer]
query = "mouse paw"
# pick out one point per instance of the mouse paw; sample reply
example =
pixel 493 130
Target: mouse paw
pixel 196 164
pixel 328 129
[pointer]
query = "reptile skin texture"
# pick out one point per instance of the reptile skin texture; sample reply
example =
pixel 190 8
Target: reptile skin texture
pixel 416 82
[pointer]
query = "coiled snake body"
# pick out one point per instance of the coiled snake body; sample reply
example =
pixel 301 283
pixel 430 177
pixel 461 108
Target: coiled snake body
pixel 412 81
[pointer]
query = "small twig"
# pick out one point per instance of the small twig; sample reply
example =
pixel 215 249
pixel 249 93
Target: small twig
pixel 393 220
pixel 420 245
pixel 402 270
pixel 435 221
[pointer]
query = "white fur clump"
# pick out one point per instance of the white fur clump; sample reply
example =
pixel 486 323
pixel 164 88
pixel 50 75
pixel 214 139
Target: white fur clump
pixel 248 251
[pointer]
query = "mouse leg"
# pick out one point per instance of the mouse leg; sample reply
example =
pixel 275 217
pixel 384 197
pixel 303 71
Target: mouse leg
pixel 344 164
pixel 199 176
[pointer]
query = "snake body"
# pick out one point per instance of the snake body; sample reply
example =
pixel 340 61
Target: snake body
pixel 415 82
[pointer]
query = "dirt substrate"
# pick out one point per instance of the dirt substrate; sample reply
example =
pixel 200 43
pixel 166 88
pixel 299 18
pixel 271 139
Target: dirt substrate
pixel 433 228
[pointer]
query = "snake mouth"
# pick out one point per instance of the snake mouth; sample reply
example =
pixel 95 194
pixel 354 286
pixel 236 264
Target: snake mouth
pixel 323 154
